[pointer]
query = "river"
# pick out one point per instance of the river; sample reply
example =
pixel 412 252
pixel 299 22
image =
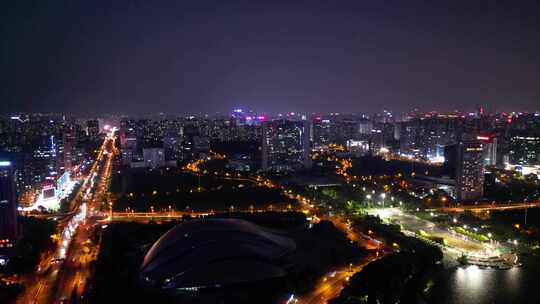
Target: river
pixel 468 285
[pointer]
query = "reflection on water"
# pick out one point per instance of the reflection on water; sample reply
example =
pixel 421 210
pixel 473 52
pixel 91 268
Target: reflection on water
pixel 470 282
pixel 472 285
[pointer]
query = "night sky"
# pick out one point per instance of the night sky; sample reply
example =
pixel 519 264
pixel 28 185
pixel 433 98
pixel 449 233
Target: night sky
pixel 273 56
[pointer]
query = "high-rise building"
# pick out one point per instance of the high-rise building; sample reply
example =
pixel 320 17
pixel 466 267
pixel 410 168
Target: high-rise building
pixel 524 150
pixel 8 204
pixel 489 144
pixel 469 171
pixel 69 140
pixel 201 145
pixel 92 129
pixel 285 145
pixel 154 157
pixel 322 132
pixel 365 126
pixel 128 148
pixel 172 145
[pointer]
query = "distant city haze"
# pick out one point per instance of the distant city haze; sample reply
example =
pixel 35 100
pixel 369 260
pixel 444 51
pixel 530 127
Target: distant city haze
pixel 316 56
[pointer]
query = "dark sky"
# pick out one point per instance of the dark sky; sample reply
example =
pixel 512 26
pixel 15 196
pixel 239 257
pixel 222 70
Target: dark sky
pixel 273 56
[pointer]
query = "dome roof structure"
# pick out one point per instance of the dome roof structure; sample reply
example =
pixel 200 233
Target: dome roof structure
pixel 212 253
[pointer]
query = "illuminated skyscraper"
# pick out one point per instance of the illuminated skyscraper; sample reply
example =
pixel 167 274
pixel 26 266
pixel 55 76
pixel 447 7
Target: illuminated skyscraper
pixel 469 171
pixel 69 140
pixel 525 149
pixel 285 145
pixel 8 205
pixel 489 144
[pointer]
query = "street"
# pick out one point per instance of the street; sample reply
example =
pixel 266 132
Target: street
pixel 67 268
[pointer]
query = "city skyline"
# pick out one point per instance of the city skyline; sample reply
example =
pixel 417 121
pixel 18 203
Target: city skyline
pixel 270 152
pixel 135 57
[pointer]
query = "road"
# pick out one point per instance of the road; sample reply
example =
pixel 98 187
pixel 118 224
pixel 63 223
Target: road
pixel 345 164
pixel 413 224
pixel 329 286
pixel 489 207
pixel 76 270
pixel 58 273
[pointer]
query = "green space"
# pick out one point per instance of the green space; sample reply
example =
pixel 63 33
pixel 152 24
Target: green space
pixel 405 269
pixel 124 245
pixel 145 190
pixel 475 236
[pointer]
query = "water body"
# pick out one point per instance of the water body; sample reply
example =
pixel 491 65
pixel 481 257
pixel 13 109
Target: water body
pixel 472 285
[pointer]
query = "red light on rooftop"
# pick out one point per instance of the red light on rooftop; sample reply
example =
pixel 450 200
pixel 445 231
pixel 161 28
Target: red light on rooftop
pixel 483 138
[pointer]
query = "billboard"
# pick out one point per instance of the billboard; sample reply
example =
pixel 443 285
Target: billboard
pixel 63 181
pixel 48 191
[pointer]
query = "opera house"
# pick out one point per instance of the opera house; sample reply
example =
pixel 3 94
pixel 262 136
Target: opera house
pixel 207 254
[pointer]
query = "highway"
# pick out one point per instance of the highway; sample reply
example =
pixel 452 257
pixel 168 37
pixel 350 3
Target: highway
pixel 76 270
pixel 66 269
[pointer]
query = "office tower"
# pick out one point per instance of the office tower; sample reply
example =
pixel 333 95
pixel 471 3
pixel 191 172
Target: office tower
pixel 285 145
pixel 365 126
pixel 69 140
pixel 322 132
pixel 469 171
pixel 524 149
pixel 489 144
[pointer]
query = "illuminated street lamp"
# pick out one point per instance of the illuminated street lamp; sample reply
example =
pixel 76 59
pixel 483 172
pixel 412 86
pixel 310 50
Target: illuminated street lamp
pixel 383 196
pixel 368 198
